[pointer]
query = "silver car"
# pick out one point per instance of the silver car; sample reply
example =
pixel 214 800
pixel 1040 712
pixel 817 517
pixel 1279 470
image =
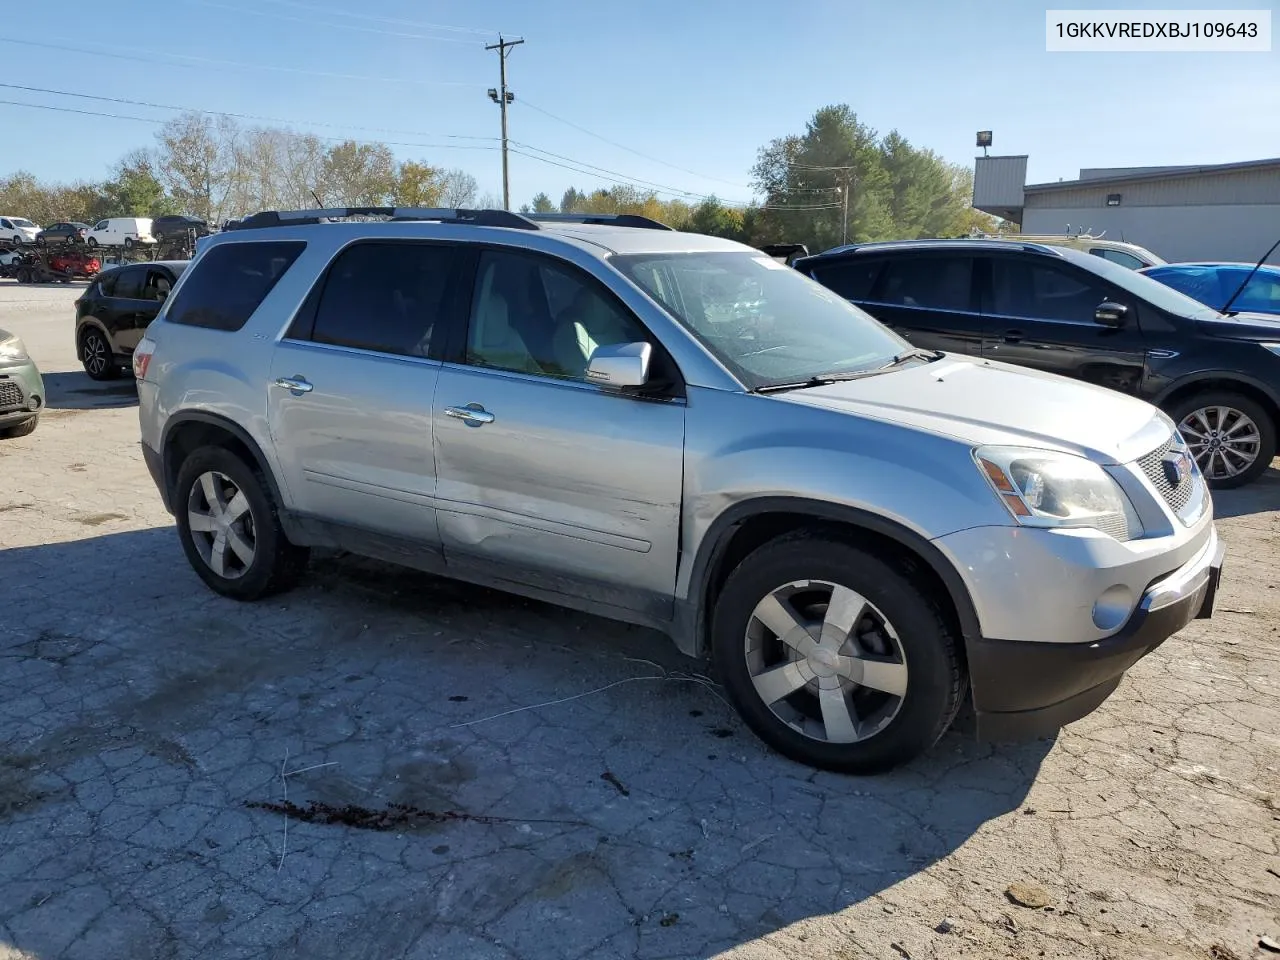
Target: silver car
pixel 678 431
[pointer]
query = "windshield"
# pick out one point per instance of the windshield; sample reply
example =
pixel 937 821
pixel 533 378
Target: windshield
pixel 1144 287
pixel 19 222
pixel 765 321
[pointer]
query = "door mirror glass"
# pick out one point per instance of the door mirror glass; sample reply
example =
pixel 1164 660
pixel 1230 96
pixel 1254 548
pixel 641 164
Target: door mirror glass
pixel 1111 314
pixel 620 365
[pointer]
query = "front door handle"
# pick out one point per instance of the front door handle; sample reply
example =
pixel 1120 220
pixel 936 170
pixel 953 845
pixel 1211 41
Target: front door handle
pixel 297 384
pixel 473 414
pixel 1013 336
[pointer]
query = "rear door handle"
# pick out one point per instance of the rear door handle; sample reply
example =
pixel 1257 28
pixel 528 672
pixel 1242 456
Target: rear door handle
pixel 1013 336
pixel 297 384
pixel 473 414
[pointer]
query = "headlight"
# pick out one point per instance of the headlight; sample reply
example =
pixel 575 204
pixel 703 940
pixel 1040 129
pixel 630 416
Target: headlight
pixel 13 349
pixel 1046 489
pixel 1273 347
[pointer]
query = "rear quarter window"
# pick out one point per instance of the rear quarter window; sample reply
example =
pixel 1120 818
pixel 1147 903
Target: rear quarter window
pixel 229 283
pixel 852 279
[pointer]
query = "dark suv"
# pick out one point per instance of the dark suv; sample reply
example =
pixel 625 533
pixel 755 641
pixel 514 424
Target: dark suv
pixel 1066 312
pixel 115 311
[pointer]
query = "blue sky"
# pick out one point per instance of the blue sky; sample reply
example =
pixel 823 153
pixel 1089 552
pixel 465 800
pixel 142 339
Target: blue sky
pixel 697 86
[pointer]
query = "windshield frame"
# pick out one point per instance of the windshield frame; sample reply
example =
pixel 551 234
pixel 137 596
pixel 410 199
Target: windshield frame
pixel 894 344
pixel 1147 289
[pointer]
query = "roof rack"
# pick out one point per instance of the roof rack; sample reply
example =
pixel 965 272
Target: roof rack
pixel 607 219
pixel 290 218
pixel 874 245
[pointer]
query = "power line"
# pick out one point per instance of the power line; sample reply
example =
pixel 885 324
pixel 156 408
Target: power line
pixel 150 59
pixel 236 116
pixel 417 24
pixel 664 187
pixel 620 146
pixel 321 23
pixel 120 116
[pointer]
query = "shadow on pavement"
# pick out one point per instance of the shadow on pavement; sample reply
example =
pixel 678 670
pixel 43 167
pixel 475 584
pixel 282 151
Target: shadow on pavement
pixel 1258 497
pixel 76 391
pixel 643 815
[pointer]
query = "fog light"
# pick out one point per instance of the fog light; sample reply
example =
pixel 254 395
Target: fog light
pixel 1113 607
pixel 33 403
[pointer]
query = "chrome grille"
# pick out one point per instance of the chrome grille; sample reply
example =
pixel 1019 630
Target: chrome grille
pixel 10 395
pixel 1153 466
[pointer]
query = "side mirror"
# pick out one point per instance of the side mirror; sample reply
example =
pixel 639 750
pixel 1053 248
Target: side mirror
pixel 1111 314
pixel 620 365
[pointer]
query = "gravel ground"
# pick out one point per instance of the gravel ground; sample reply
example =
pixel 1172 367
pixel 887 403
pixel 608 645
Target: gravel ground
pixel 153 736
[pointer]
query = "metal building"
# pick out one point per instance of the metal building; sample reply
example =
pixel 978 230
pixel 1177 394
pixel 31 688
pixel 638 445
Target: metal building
pixel 1228 211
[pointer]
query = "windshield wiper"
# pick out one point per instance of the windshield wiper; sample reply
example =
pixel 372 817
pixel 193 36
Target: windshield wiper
pixel 822 380
pixel 915 353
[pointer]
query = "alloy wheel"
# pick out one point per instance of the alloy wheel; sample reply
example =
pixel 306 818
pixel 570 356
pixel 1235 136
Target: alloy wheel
pixel 95 354
pixel 826 661
pixel 1224 441
pixel 221 525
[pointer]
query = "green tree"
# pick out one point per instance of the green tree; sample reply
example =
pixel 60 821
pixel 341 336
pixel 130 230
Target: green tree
pixel 418 185
pixel 569 203
pixel 133 191
pixel 714 218
pixel 542 204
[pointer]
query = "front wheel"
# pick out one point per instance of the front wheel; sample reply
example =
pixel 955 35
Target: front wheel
pixel 834 657
pixel 92 242
pixel 97 357
pixel 1232 437
pixel 128 243
pixel 23 429
pixel 230 527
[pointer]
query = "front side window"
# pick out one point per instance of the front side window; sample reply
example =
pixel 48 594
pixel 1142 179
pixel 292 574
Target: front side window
pixel 230 281
pixel 767 323
pixel 20 222
pixel 101 226
pixel 939 283
pixel 1038 292
pixel 532 315
pixel 388 297
pixel 128 284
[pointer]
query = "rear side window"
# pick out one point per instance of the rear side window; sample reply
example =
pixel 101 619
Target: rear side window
pixel 852 279
pixel 387 297
pixel 107 283
pixel 128 284
pixel 939 283
pixel 230 282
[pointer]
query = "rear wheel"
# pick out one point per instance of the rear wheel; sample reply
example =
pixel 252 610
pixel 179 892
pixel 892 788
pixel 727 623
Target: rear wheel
pixel 834 657
pixel 1232 437
pixel 92 242
pixel 128 243
pixel 230 527
pixel 96 356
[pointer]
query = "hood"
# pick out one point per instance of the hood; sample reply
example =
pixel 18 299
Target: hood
pixel 1263 327
pixel 986 402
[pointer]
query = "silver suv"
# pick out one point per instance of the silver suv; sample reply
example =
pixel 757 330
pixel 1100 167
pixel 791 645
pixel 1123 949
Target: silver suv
pixel 678 431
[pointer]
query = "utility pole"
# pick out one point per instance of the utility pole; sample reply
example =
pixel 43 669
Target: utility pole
pixel 502 96
pixel 844 194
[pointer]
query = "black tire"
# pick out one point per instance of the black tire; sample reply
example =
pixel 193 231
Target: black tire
pixel 935 675
pixel 23 429
pixel 1265 447
pixel 277 564
pixel 128 243
pixel 24 275
pixel 91 242
pixel 96 355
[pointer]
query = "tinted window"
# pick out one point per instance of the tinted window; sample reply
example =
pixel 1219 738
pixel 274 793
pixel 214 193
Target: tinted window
pixel 230 281
pixel 157 286
pixel 852 279
pixel 1203 285
pixel 128 284
pixel 1262 292
pixel 942 283
pixel 1035 291
pixel 1120 257
pixel 101 225
pixel 533 316
pixel 387 297
pixel 107 283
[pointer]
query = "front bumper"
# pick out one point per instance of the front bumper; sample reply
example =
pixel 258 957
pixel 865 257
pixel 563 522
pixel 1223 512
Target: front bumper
pixel 27 399
pixel 1025 689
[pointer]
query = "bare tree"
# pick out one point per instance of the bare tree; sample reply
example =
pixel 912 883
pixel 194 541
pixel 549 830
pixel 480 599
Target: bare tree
pixel 459 189
pixel 358 174
pixel 196 161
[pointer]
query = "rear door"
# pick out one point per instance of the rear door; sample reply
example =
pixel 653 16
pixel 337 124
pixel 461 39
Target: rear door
pixel 1040 313
pixel 929 298
pixel 351 391
pixel 545 479
pixel 122 312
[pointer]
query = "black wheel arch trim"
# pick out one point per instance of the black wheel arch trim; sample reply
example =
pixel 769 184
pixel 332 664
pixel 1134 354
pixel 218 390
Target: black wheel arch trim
pixel 692 622
pixel 170 475
pixel 1217 380
pixel 92 323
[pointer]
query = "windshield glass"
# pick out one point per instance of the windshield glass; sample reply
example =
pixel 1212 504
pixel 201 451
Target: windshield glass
pixel 1144 287
pixel 19 222
pixel 765 321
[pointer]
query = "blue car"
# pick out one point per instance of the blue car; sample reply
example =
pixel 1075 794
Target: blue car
pixel 1213 284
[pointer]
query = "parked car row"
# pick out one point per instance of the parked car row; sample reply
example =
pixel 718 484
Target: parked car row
pixel 126 232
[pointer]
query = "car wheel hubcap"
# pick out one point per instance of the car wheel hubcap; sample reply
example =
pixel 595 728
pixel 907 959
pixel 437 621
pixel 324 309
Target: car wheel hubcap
pixel 825 661
pixel 221 525
pixel 1225 441
pixel 95 354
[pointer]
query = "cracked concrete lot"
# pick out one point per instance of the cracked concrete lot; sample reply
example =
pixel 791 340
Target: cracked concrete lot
pixel 323 775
